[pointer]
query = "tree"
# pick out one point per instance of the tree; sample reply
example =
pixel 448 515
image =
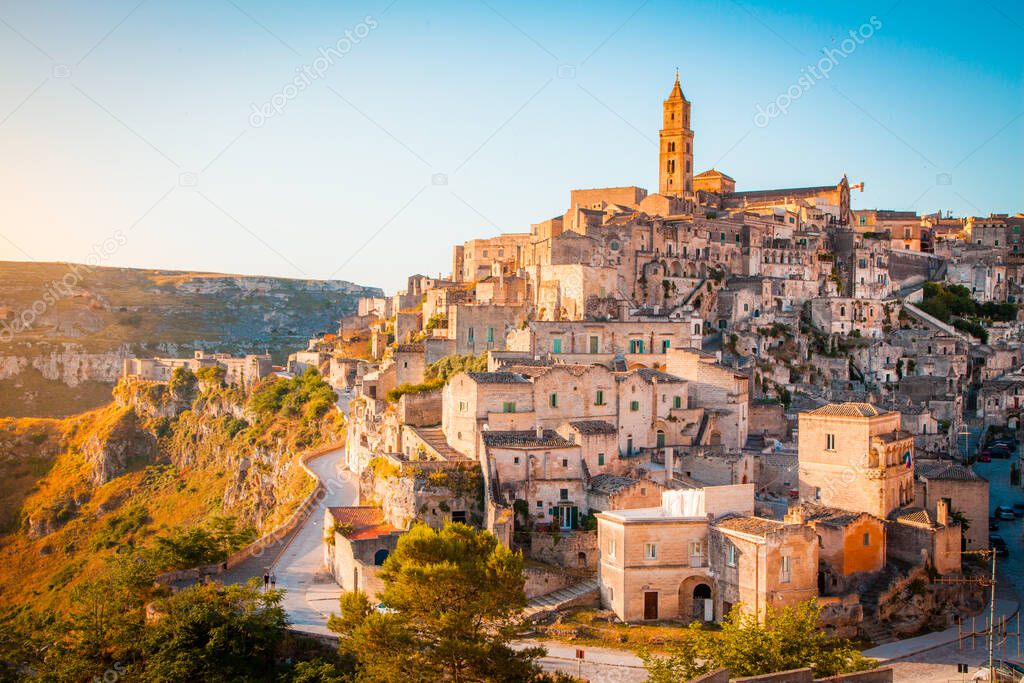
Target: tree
pixel 790 638
pixel 453 602
pixel 211 632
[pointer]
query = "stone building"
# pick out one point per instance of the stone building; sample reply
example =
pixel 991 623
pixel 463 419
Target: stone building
pixel 964 489
pixel 357 540
pixel 761 563
pixel 653 562
pixel 856 457
pixel 850 544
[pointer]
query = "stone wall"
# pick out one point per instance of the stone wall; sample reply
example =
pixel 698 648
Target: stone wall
pixel 420 410
pixel 576 550
pixel 542 579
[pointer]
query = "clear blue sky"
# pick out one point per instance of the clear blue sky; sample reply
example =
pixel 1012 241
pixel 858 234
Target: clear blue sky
pixel 137 117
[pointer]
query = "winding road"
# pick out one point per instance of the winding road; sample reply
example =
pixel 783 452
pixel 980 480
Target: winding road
pixel 297 560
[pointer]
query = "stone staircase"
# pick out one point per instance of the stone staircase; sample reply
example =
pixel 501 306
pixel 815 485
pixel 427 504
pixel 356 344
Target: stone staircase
pixel 434 437
pixel 551 602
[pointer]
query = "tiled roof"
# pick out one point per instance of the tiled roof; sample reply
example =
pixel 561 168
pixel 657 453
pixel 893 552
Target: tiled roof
pixel 648 375
pixel 611 483
pixel 366 521
pixel 829 516
pixel 848 410
pixel 496 378
pixel 409 348
pixel 947 471
pixel 756 526
pixel 593 427
pixel 912 516
pixel 525 439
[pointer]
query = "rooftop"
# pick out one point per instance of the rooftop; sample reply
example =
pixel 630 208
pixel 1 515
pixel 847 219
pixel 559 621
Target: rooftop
pixel 496 378
pixel 525 439
pixel 946 471
pixel 828 516
pixel 593 427
pixel 611 483
pixel 848 410
pixel 365 522
pixel 755 526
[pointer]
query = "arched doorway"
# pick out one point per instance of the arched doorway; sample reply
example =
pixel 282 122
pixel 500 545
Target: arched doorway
pixel 694 592
pixel 701 596
pixel 581 559
pixel 661 438
pixel 380 556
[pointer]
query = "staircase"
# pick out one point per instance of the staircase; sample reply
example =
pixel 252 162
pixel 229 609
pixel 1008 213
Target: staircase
pixel 434 437
pixel 693 294
pixel 869 598
pixel 554 601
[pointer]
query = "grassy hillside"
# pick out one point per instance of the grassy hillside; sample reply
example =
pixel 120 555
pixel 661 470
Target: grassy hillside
pixel 65 328
pixel 158 460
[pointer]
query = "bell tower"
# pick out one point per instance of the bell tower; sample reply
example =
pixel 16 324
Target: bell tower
pixel 675 170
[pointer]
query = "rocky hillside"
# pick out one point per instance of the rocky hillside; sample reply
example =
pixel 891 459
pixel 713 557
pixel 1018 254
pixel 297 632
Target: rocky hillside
pixel 65 329
pixel 160 458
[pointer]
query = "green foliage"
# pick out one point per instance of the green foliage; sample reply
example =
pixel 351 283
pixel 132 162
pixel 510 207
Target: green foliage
pixel 307 395
pixel 402 389
pixel 201 545
pixel 449 366
pixel 116 527
pixel 182 384
pixel 790 638
pixel 437 321
pixel 953 304
pixel 213 375
pixel 454 602
pixel 214 633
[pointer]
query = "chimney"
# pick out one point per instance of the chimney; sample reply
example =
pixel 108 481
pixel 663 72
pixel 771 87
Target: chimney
pixel 540 432
pixel 942 511
pixel 796 515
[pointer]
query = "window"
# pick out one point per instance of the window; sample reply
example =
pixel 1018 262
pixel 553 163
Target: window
pixel 553 400
pixel 540 503
pixel 600 459
pixel 594 344
pixel 462 406
pixel 611 594
pixel 490 335
pixel 508 407
pixel 696 554
pixel 650 551
pixel 867 539
pixel 730 556
pixel 611 548
pixel 786 570
pixel 677 402
pixel 556 345
pixel 563 494
pixel 830 442
pixel 485 253
pixel 565 463
pixel 501 252
pixel 515 460
pixel 817 493
pixel 636 345
pixel 599 398
pixel 470 335
pixel 666 344
pixel 634 406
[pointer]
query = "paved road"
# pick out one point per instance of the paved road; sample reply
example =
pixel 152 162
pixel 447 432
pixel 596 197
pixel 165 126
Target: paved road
pixel 311 594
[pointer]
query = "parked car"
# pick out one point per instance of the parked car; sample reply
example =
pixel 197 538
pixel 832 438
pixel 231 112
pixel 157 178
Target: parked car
pixel 993 523
pixel 984 457
pixel 1001 452
pixel 996 542
pixel 1018 509
pixel 1004 512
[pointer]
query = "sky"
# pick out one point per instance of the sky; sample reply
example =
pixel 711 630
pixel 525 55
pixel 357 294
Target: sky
pixel 361 140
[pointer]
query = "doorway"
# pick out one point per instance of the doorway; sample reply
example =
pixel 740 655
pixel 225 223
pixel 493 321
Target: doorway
pixel 650 605
pixel 701 600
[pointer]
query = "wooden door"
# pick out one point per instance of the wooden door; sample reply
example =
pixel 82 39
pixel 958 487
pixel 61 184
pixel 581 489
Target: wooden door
pixel 650 605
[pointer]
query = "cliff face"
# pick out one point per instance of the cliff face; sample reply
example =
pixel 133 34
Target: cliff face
pixel 158 457
pixel 65 329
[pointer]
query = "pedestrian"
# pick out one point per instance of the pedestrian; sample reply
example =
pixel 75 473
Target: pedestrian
pixel 273 581
pixel 266 580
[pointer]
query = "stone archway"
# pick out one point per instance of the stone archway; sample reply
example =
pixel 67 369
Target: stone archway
pixel 693 591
